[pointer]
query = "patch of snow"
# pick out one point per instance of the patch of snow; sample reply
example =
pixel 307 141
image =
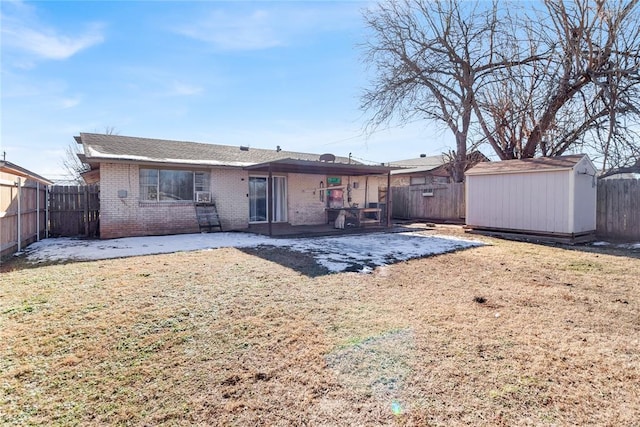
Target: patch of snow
pixel 337 254
pixel 618 245
pixel 629 245
pixel 366 270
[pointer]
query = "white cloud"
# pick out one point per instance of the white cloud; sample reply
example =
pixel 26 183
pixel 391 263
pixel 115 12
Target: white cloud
pixel 235 32
pixel 273 25
pixel 157 82
pixel 23 32
pixel 184 89
pixel 70 102
pixel 49 45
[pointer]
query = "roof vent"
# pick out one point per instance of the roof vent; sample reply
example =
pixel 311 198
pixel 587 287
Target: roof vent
pixel 327 158
pixel 278 149
pixel 423 155
pixel 244 148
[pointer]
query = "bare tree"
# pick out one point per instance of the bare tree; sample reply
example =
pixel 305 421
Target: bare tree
pixel 71 162
pixel 427 56
pixel 580 94
pixel 527 82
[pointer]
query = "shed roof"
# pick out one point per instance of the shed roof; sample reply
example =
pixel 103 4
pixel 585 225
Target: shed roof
pixel 539 164
pixel 14 169
pixel 100 147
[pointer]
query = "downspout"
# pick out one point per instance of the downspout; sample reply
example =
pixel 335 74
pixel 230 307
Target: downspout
pixel 19 184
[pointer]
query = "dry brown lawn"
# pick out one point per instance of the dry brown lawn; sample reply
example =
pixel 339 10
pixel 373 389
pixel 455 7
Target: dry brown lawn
pixel 506 334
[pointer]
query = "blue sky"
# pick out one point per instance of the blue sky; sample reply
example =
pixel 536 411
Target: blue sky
pixel 240 73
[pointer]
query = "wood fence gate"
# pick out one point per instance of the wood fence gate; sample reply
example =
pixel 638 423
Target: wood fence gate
pixel 74 210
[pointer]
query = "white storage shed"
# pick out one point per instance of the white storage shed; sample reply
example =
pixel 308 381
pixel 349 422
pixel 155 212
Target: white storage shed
pixel 543 196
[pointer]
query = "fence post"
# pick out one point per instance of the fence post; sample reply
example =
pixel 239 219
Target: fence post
pixel 388 202
pixel 19 184
pixel 38 211
pixel 47 196
pixel 86 211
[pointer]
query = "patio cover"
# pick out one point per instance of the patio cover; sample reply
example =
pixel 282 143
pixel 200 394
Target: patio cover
pixel 320 168
pixel 325 168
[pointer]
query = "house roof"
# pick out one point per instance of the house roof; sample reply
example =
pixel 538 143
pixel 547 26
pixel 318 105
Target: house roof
pixel 538 164
pixel 418 165
pixel 99 148
pixel 431 163
pixel 625 172
pixel 623 176
pixel 424 163
pixel 319 168
pixel 22 172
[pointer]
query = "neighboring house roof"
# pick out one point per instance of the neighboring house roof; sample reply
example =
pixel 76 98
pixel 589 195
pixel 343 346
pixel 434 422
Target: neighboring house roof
pixel 431 163
pixel 623 176
pixel 625 172
pixel 421 169
pixel 425 163
pixel 14 169
pixel 538 164
pixel 100 148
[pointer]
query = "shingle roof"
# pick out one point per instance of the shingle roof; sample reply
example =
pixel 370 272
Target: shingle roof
pixel 424 163
pixel 526 165
pixel 100 147
pixel 14 169
pixel 431 163
pixel 623 176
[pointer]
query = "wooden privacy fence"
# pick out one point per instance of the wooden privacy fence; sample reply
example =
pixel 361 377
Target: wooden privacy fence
pixel 440 202
pixel 74 210
pixel 618 209
pixel 23 217
pixel 617 215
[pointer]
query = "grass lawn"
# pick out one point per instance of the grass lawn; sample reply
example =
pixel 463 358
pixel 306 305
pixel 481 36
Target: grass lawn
pixel 506 334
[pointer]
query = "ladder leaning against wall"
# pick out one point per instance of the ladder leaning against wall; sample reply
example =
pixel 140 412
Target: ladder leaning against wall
pixel 208 218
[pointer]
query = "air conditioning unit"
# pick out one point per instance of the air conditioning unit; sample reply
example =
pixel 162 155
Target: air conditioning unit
pixel 203 197
pixel 428 192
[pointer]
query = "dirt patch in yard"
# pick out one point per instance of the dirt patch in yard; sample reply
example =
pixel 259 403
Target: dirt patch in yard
pixel 510 333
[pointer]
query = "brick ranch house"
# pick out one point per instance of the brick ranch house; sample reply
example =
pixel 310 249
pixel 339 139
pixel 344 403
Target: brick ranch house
pixel 150 186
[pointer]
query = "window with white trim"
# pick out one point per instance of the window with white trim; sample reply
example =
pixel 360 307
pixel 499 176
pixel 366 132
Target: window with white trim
pixel 158 185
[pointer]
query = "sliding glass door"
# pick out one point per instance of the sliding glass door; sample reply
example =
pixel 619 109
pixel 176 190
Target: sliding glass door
pixel 259 201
